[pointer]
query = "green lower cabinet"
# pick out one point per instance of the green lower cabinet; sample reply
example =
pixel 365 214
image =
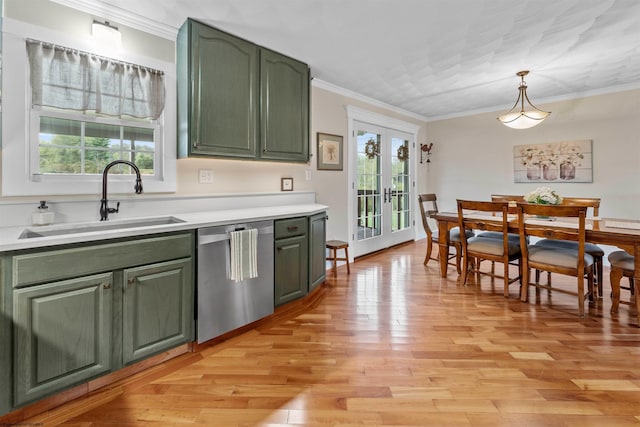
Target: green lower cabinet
pixel 157 309
pixel 6 369
pixel 62 335
pixel 120 302
pixel 299 256
pixel 317 250
pixel 290 269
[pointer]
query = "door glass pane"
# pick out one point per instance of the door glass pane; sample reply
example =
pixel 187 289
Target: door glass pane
pixel 400 197
pixel 369 209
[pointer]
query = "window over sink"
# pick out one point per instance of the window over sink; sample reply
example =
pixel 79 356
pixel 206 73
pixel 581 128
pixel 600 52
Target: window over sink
pixel 71 112
pixel 67 146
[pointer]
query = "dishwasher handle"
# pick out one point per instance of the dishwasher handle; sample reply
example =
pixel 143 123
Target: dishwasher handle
pixel 221 237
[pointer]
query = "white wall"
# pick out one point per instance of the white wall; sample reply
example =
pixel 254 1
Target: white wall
pixel 473 156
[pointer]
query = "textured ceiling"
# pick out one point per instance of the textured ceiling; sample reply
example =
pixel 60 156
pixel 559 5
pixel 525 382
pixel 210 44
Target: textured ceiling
pixel 435 58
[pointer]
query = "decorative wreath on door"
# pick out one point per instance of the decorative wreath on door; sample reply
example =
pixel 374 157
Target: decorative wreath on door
pixel 403 152
pixel 372 149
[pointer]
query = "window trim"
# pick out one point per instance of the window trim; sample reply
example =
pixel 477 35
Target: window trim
pixel 16 120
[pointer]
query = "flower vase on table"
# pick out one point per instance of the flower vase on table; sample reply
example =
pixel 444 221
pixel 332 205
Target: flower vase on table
pixel 543 196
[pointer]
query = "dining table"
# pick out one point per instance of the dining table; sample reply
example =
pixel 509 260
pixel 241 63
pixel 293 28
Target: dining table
pixel 618 232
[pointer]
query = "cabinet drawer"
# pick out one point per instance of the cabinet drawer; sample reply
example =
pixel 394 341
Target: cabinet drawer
pixel 47 266
pixel 290 227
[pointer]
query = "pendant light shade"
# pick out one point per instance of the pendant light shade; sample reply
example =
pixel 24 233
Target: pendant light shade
pixel 523 119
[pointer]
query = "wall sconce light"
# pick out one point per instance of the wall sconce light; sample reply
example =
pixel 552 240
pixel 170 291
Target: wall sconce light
pixel 106 35
pixel 523 119
pixel 425 152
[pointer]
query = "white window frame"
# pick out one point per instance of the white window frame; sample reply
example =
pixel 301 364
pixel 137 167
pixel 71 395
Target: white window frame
pixel 20 130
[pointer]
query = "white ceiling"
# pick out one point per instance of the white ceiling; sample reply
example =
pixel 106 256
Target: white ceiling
pixel 434 58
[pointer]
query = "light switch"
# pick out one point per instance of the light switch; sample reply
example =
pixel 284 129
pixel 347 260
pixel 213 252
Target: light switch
pixel 205 176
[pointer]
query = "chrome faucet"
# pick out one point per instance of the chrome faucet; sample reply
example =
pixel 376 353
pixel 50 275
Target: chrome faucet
pixel 105 210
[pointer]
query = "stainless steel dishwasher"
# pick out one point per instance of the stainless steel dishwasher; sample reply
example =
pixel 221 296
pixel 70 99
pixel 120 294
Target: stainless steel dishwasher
pixel 223 304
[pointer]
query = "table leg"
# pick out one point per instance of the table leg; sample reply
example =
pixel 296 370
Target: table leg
pixel 443 247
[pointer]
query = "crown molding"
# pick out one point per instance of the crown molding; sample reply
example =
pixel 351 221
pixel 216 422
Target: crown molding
pixel 108 12
pixel 351 94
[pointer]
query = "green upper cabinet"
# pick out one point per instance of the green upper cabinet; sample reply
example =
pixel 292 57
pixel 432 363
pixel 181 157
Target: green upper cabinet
pixel 239 100
pixel 217 93
pixel 284 113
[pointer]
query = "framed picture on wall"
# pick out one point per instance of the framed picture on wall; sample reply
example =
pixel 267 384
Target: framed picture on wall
pixel 567 161
pixel 329 152
pixel 286 184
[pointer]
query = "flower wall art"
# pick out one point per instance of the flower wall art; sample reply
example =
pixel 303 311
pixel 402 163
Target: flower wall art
pixel 567 161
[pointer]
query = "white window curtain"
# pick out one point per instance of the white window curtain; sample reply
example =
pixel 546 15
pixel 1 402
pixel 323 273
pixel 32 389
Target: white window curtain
pixel 74 80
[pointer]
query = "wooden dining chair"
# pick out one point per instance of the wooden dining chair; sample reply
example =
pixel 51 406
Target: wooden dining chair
pixel 622 265
pixel 512 200
pixel 556 259
pixel 428 207
pixel 492 218
pixel 591 248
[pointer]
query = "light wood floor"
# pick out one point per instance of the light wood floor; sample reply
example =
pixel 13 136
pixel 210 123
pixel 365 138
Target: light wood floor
pixel 393 344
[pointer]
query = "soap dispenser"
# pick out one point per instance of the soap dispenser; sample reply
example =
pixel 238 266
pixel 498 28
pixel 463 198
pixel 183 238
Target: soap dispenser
pixel 42 216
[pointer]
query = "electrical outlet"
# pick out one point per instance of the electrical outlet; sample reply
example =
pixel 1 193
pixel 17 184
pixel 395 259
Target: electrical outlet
pixel 307 174
pixel 205 176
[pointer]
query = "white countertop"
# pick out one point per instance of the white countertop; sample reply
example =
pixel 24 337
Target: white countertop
pixel 10 236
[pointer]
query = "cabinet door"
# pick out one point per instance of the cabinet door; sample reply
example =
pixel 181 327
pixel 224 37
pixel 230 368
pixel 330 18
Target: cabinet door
pixel 224 104
pixel 5 335
pixel 157 308
pixel 284 108
pixel 317 250
pixel 62 335
pixel 290 269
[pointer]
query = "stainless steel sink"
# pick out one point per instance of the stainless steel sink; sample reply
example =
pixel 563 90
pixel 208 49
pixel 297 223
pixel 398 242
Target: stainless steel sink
pixel 67 229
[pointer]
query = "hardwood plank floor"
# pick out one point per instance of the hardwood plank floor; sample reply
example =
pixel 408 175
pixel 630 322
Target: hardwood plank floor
pixel 393 344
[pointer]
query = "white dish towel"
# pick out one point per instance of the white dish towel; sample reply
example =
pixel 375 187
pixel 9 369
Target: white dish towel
pixel 244 254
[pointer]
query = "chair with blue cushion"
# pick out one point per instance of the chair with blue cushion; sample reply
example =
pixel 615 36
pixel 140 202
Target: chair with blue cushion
pixel 511 200
pixel 428 207
pixel 591 248
pixel 556 259
pixel 487 217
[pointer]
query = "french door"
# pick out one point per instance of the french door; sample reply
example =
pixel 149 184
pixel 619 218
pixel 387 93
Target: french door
pixel 382 188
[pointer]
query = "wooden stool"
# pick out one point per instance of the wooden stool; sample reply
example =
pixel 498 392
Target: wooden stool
pixel 333 246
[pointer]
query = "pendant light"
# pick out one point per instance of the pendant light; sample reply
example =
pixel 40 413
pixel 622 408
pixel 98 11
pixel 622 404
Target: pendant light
pixel 523 119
